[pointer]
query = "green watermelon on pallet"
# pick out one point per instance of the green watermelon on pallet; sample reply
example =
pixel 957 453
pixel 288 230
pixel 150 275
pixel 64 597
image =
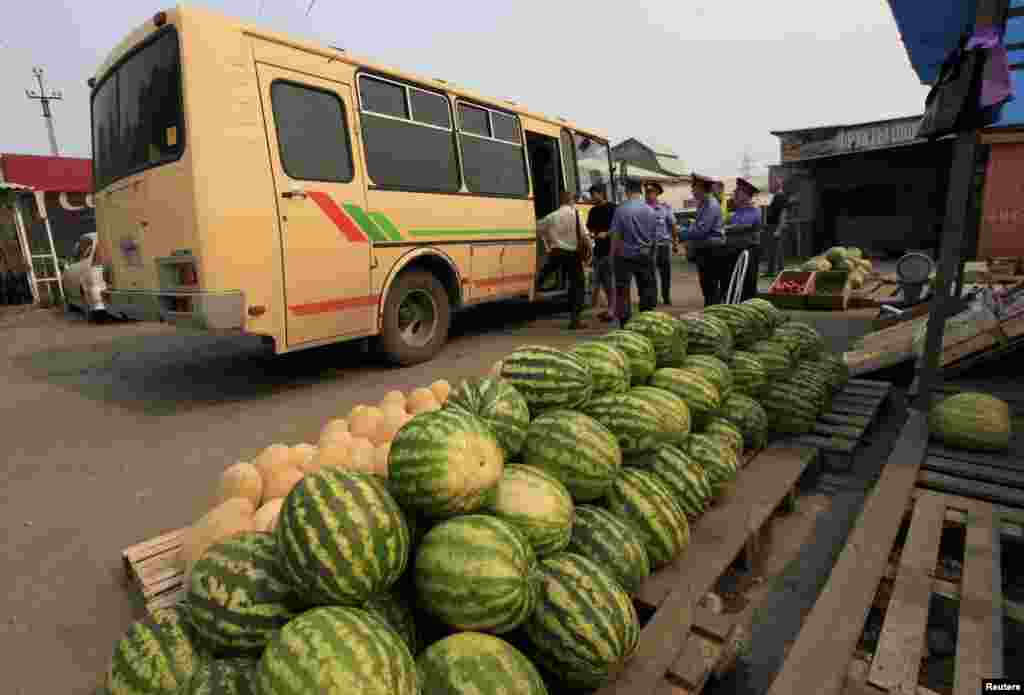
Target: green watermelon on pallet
pixel 499 405
pixel 977 421
pixel 714 369
pixel 726 431
pixel 709 335
pixel 768 311
pixel 536 503
pixel 444 463
pixel 238 594
pixel 635 422
pixel 328 650
pixel 547 378
pixel 638 349
pixel 642 500
pixel 602 537
pixel 790 408
pixel 717 459
pixel 776 357
pixel 585 628
pixel 395 610
pixel 748 372
pixel 674 411
pixel 341 537
pixel 809 340
pixel 236 676
pixel 476 572
pixel 667 334
pixel 742 322
pixel 750 419
pixel 699 392
pixel 575 448
pixel 686 479
pixel 833 368
pixel 475 662
pixel 158 656
pixel 607 363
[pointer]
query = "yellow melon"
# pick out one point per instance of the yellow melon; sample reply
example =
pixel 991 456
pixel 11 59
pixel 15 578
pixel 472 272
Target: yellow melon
pixel 393 397
pixel 265 518
pixel 336 454
pixel 280 482
pixel 364 420
pixel 361 456
pixel 441 390
pixel 421 400
pixel 241 479
pixel 393 420
pixel 302 457
pixel 380 459
pixel 223 521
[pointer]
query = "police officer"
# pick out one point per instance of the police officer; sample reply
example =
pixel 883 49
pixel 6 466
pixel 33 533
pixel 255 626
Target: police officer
pixel 705 241
pixel 665 239
pixel 743 233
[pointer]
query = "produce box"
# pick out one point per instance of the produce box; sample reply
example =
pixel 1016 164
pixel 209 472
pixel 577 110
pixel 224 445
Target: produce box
pixel 831 291
pixel 791 289
pixel 1004 266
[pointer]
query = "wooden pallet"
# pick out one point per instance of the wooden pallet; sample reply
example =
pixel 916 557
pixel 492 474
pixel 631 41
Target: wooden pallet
pixel 668 660
pixel 841 430
pixel 895 665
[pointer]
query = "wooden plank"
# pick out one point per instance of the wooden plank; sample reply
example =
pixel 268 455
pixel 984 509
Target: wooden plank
pixel 978 457
pixel 818 659
pixel 856 675
pixel 839 431
pixel 972 488
pixel 975 471
pixel 871 383
pixel 715 540
pixel 901 643
pixel 832 445
pixel 859 399
pixel 848 420
pixel 853 409
pixel 979 643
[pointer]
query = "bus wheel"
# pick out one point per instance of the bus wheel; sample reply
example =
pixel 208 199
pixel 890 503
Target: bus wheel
pixel 416 318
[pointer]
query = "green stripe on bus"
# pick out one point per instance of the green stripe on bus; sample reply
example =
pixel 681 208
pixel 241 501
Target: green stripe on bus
pixel 386 225
pixel 473 232
pixel 364 222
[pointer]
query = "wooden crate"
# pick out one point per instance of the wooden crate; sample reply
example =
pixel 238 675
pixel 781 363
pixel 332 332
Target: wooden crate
pixel 153 568
pixel 841 430
pixel 791 301
pixel 1004 266
pixel 831 291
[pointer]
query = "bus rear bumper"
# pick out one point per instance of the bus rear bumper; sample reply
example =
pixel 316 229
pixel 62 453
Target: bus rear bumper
pixel 201 310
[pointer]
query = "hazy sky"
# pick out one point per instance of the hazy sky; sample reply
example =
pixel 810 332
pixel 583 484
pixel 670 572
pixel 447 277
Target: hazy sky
pixel 707 78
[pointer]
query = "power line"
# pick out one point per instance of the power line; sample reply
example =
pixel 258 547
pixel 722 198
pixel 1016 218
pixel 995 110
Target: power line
pixel 310 8
pixel 259 11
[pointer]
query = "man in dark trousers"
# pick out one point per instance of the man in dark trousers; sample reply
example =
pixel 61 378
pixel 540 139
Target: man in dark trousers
pixel 568 248
pixel 743 233
pixel 599 223
pixel 705 242
pixel 634 233
pixel 666 238
pixel 773 237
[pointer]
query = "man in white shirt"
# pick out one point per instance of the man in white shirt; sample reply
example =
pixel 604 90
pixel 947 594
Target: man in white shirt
pixel 562 236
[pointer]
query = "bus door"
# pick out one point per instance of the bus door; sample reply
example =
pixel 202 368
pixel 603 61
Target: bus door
pixel 546 173
pixel 320 203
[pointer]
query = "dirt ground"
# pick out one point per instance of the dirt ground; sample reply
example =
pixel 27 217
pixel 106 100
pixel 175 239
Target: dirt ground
pixel 115 433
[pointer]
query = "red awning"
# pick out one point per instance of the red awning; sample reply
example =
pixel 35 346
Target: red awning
pixel 61 174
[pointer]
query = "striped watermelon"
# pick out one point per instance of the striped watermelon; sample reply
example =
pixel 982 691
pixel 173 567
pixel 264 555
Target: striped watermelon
pixel 475 662
pixel 767 309
pixel 599 535
pixel 341 537
pixel 158 656
pixel 727 432
pixel 337 651
pixel 789 408
pixel 971 420
pixel 225 677
pixel 716 458
pixel 477 572
pixel 674 411
pixel 776 359
pixel 396 612
pixel 742 322
pixel 695 388
pixel 709 335
pixel 687 481
pixel 666 333
pixel 714 369
pixel 748 372
pixel 608 365
pixel 536 503
pixel 750 418
pixel 548 378
pixel 585 627
pixel 638 350
pixel 238 594
pixel 634 421
pixel 810 342
pixel 499 405
pixel 640 499
pixel 576 449
pixel 444 463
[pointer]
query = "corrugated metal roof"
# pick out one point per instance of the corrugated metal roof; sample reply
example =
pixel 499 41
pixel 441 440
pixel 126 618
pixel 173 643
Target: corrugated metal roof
pixel 673 165
pixel 47 173
pixel 635 172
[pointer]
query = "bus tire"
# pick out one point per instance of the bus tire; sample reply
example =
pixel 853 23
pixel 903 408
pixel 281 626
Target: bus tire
pixel 417 315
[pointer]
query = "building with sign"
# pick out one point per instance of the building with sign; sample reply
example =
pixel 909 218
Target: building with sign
pixel 874 185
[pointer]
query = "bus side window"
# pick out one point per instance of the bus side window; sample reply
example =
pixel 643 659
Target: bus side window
pixel 312 133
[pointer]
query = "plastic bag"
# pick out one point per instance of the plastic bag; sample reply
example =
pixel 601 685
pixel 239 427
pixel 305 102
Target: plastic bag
pixel 968 323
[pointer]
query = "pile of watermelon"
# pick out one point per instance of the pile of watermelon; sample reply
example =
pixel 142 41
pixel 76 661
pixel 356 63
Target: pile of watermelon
pixel 497 544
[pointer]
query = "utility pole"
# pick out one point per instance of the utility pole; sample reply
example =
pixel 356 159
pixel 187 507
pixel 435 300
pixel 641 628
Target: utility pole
pixel 747 167
pixel 45 96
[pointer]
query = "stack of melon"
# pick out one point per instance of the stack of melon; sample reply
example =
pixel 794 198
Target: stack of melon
pixel 500 522
pixel 847 258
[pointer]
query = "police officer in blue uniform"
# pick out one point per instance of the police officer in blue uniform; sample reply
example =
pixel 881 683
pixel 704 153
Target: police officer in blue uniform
pixel 666 239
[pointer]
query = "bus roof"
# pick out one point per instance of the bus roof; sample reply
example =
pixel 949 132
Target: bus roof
pixel 186 11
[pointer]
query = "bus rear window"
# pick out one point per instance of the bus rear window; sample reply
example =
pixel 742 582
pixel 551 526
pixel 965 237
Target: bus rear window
pixel 137 119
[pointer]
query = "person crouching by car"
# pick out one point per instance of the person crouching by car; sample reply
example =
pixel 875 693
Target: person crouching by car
pixel 599 223
pixel 705 242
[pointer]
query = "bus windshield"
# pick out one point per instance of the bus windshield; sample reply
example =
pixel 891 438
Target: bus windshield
pixel 137 119
pixel 594 165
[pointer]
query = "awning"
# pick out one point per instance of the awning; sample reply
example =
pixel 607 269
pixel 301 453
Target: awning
pixel 931 29
pixel 60 174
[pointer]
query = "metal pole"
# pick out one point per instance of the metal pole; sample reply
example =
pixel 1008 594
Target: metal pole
pixel 44 97
pixel 956 223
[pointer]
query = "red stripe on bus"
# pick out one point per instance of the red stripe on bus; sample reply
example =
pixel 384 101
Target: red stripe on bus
pixel 330 305
pixel 342 221
pixel 506 280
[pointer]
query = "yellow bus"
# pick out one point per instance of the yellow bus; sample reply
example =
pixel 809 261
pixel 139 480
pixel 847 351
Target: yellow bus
pixel 251 182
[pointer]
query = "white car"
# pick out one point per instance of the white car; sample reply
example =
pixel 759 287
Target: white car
pixel 82 280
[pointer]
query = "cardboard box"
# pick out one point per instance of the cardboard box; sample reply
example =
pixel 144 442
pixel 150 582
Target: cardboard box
pixel 786 300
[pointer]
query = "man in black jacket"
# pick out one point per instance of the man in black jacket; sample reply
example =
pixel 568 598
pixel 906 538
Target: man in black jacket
pixel 599 224
pixel 773 239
